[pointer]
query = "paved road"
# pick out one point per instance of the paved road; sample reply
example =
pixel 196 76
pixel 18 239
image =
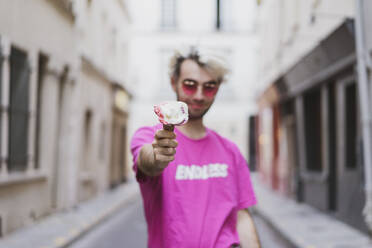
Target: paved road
pixel 127 229
pixel 269 237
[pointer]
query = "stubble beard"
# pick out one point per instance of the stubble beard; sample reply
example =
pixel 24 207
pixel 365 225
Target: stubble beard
pixel 194 117
pixel 198 116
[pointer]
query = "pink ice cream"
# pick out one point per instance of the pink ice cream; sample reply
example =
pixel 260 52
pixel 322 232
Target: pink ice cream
pixel 172 113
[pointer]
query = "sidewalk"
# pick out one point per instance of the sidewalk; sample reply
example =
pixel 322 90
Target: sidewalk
pixel 302 225
pixel 61 229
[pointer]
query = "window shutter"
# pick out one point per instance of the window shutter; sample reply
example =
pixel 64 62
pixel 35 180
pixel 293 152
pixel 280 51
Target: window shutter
pixel 18 110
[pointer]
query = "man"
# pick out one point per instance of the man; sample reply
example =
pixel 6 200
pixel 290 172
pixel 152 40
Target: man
pixel 195 184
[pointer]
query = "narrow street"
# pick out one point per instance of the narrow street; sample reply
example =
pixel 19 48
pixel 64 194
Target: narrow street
pixel 127 229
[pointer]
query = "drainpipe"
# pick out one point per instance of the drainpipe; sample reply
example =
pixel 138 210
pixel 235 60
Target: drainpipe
pixel 362 69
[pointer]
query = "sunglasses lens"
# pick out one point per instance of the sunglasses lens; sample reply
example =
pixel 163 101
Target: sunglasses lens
pixel 189 88
pixel 210 90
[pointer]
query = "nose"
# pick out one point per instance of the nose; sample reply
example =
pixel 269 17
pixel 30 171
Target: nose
pixel 199 93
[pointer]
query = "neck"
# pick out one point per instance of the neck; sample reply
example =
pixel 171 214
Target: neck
pixel 193 129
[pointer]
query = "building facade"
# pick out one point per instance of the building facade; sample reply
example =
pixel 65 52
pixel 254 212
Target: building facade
pixel 289 29
pixel 103 32
pixel 57 104
pixel 309 128
pixel 227 26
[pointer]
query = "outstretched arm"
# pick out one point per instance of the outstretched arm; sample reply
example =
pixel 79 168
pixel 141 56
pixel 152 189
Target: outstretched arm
pixel 247 230
pixel 154 158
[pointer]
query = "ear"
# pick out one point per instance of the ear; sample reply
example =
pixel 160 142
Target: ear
pixel 174 84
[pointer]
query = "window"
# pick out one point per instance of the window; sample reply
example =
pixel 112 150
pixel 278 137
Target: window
pixel 252 135
pixel 122 152
pixel 224 14
pixel 312 108
pixel 18 110
pixel 313 15
pixel 40 85
pixel 1 86
pixel 111 48
pixel 1 226
pixel 1 72
pixel 87 138
pixel 168 14
pixel 102 143
pixel 163 92
pixel 218 15
pixel 332 144
pixel 351 125
pixel 112 44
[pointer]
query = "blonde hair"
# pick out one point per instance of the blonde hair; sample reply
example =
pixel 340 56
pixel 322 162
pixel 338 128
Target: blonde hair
pixel 212 62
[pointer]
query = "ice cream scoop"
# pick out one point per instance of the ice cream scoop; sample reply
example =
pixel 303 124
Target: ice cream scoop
pixel 172 113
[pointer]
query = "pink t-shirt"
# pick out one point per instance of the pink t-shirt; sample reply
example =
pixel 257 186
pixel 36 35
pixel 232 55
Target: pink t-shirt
pixel 194 202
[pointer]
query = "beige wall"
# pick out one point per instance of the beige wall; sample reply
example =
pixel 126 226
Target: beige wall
pixel 26 196
pixel 79 72
pixel 22 203
pixel 104 29
pixel 288 29
pixel 95 96
pixel 28 23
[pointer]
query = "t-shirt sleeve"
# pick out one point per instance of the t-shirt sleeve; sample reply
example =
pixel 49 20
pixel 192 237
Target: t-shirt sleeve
pixel 246 196
pixel 144 135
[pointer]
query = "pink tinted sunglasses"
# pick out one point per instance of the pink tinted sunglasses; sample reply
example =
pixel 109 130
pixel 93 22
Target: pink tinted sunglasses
pixel 190 86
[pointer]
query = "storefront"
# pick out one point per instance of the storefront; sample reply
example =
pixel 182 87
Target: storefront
pixel 118 162
pixel 319 138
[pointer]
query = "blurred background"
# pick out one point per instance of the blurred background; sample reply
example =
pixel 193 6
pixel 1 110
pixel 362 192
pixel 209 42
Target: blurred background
pixel 78 77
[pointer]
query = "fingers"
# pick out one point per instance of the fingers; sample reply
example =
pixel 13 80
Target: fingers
pixel 164 147
pixel 165 151
pixel 163 156
pixel 163 159
pixel 164 138
pixel 164 134
pixel 166 143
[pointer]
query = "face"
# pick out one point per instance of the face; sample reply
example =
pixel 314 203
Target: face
pixel 196 87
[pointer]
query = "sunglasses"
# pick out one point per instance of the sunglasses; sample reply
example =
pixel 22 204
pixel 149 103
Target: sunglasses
pixel 190 87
